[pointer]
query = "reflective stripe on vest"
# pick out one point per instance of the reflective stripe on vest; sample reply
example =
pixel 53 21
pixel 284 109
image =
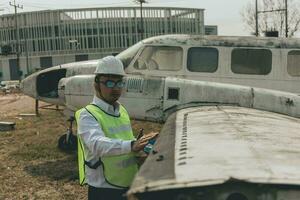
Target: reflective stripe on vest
pixel 118 170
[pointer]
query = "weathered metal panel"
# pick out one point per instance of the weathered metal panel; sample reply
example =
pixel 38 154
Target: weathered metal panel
pixel 276 101
pixel 214 144
pixel 160 166
pixel 79 91
pixel 193 93
pixel 143 98
pixel 228 41
pixel 207 92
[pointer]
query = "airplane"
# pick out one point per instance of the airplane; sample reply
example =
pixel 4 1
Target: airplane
pixel 271 63
pixel 220 141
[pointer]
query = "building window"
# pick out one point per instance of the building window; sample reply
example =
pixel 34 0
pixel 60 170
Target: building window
pixel 251 61
pixel 81 57
pixel 164 58
pixel 46 62
pixel 293 63
pixel 202 59
pixel 14 69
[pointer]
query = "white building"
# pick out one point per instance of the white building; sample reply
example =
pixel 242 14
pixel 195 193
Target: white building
pixel 53 37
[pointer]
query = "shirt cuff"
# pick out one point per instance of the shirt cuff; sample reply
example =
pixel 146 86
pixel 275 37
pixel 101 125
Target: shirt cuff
pixel 126 146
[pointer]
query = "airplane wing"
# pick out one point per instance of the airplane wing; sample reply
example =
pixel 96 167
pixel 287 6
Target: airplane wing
pixel 222 153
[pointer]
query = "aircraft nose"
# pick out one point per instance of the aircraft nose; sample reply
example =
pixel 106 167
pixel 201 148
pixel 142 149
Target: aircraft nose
pixel 28 86
pixel 21 86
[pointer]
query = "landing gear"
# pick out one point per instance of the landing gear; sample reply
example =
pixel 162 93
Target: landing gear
pixel 68 141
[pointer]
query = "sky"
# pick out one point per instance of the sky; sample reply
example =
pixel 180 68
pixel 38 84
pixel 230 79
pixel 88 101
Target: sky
pixel 223 13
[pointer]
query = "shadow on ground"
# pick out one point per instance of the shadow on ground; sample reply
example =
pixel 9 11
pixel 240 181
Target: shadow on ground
pixel 65 169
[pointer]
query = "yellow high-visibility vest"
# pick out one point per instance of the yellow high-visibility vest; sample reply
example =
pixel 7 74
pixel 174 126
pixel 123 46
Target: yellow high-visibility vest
pixel 118 170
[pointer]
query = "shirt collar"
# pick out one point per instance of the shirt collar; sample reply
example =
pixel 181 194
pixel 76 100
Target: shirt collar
pixel 106 107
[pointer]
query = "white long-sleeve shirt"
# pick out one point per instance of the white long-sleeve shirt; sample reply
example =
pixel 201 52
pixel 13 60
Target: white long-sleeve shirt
pixel 96 145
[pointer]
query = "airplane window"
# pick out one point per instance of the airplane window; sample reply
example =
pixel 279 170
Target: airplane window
pixel 202 59
pixel 127 55
pixel 162 58
pixel 293 63
pixel 251 61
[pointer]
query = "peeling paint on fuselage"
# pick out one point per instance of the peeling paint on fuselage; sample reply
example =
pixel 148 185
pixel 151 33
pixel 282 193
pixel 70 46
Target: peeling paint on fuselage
pixel 227 41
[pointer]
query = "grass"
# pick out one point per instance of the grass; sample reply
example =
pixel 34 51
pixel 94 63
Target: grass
pixel 32 167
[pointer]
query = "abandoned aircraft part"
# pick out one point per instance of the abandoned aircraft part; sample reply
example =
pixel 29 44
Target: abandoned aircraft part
pixel 61 89
pixel 164 146
pixel 185 56
pixel 201 92
pixel 79 91
pixel 243 144
pixel 232 190
pixel 148 104
pixel 67 142
pixel 230 41
pixel 162 96
pixel 221 59
pixel 135 84
pixel 7 126
pixel 155 114
pixel 28 86
pixel 48 86
pixel 45 84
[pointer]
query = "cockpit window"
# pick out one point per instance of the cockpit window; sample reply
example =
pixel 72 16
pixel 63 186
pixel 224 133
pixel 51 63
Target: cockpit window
pixel 127 55
pixel 293 63
pixel 164 58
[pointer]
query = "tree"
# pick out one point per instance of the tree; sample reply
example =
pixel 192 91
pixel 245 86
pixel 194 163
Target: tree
pixel 272 20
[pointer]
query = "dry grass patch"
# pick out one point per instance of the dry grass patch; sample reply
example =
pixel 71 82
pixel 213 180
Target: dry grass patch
pixel 32 167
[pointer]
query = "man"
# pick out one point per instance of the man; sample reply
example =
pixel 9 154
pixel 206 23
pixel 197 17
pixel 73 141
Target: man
pixel 106 145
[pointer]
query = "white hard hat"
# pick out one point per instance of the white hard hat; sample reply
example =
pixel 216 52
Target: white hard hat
pixel 110 65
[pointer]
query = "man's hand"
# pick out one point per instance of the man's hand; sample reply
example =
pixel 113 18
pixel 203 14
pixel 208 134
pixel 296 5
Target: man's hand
pixel 142 142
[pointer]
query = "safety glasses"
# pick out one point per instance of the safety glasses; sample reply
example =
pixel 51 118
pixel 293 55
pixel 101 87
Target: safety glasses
pixel 112 84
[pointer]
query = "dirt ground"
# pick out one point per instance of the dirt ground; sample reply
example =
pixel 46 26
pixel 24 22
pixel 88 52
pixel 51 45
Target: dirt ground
pixel 31 165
